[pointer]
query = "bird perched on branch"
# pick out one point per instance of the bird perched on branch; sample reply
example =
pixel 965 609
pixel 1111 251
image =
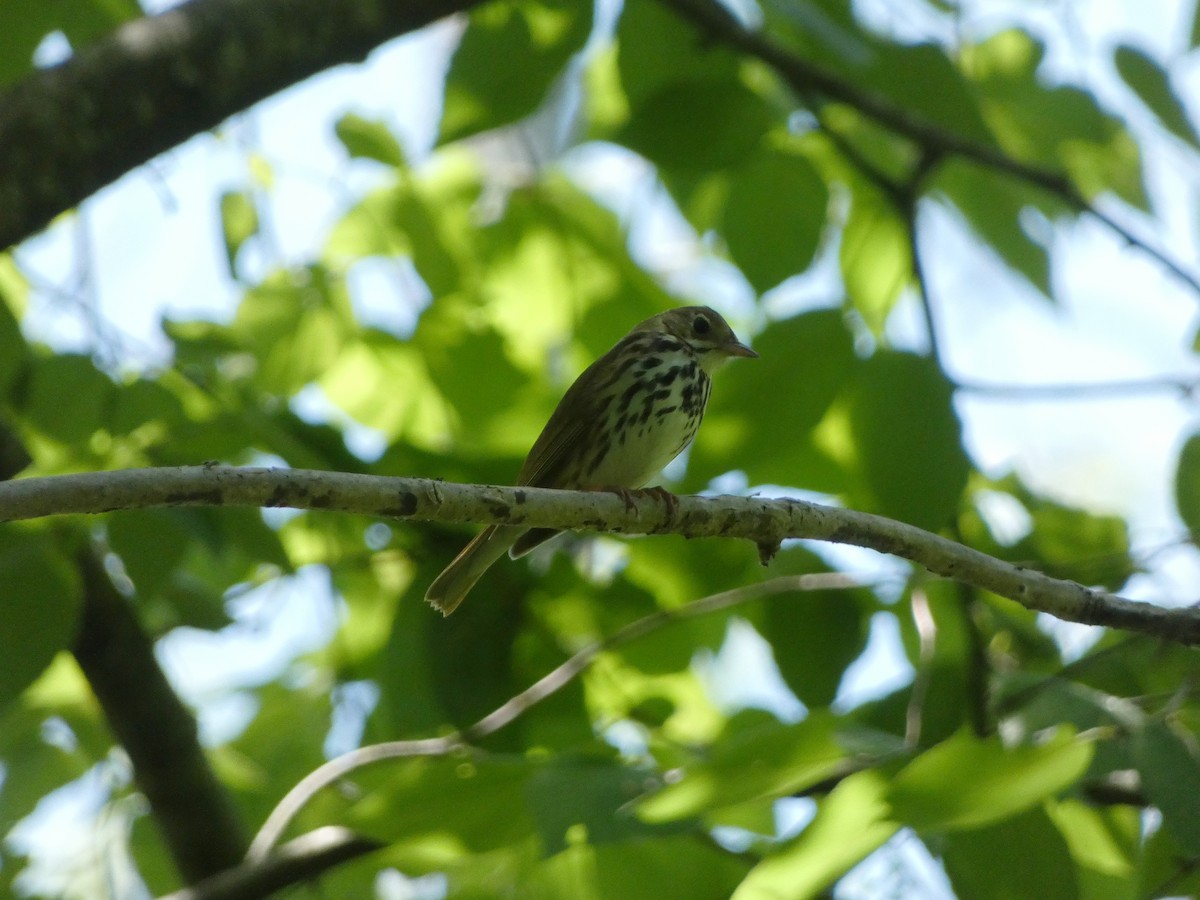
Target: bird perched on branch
pixel 630 413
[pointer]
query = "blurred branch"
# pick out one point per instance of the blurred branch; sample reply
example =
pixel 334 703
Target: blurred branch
pixel 69 130
pixel 194 813
pixel 322 777
pixel 1185 386
pixel 298 860
pixel 765 522
pixel 715 20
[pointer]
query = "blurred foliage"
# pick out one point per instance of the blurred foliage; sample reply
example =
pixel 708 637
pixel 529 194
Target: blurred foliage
pixel 641 778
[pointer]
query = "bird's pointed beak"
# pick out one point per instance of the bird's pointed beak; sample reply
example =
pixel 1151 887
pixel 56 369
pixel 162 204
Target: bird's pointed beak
pixel 737 348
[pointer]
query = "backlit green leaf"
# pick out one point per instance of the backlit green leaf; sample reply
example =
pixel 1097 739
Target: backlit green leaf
pixel 239 223
pixel 969 782
pixel 507 61
pixel 41 601
pixel 369 139
pixel 851 823
pixel 767 759
pixel 1187 484
pixel 1028 849
pixel 876 258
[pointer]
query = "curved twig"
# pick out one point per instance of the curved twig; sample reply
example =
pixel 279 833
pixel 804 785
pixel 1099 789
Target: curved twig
pixel 320 778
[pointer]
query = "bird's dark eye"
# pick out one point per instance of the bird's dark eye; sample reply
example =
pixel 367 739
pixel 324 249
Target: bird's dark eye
pixel 701 325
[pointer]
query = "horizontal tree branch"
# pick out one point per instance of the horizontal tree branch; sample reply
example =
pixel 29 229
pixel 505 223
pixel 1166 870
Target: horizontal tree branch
pixel 68 130
pixel 764 522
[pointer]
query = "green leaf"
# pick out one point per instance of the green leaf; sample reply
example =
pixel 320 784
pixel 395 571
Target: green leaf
pixel 907 440
pixel 578 796
pixel 993 207
pixel 765 760
pixel 697 126
pixel 67 398
pixel 1106 844
pixel 295 328
pixel 383 361
pixel 1171 778
pixel 666 867
pixel 1062 128
pixel 431 219
pixel 876 258
pixel 145 405
pixel 479 392
pixel 1027 849
pixel 369 139
pixel 151 544
pixel 14 352
pixel 773 217
pixel 1163 861
pixel 657 49
pixel 507 60
pixel 481 804
pixel 239 223
pixel 1187 484
pixel 932 86
pixel 280 746
pixel 1076 544
pixel 1147 79
pixel 41 594
pixel 851 823
pixel 815 636
pixel 970 782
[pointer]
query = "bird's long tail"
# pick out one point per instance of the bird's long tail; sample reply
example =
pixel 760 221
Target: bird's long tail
pixel 456 581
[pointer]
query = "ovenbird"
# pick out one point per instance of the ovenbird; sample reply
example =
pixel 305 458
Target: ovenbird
pixel 629 414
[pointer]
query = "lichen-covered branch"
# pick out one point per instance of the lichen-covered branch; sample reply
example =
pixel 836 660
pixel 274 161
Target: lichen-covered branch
pixel 764 522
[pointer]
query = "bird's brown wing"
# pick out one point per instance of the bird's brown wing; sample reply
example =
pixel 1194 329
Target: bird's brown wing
pixel 556 448
pixel 549 460
pixel 552 451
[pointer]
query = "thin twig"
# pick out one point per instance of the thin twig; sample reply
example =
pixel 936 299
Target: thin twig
pixel 320 778
pixel 804 77
pixel 1185 386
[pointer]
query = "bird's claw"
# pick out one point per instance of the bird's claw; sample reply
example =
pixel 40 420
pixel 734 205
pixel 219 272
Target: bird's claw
pixel 669 500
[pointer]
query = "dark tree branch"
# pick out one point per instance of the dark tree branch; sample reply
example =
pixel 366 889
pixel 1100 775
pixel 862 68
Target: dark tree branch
pixel 715 21
pixel 67 131
pixel 765 522
pixel 299 860
pixel 192 810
